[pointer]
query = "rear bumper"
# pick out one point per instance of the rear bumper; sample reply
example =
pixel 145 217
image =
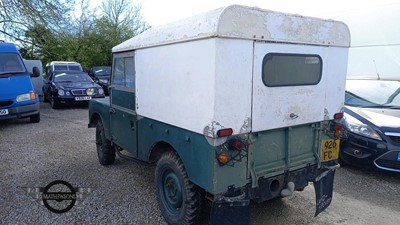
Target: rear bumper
pixel 22 111
pixel 233 206
pixel 269 188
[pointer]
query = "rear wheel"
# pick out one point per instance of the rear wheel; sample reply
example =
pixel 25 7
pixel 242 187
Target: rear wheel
pixel 179 199
pixel 105 152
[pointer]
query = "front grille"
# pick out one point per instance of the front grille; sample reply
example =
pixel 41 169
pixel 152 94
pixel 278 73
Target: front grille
pixel 5 103
pixel 388 163
pixel 395 139
pixel 78 92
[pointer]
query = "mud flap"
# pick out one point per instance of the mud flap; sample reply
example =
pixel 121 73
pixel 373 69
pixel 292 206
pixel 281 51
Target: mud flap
pixel 230 210
pixel 323 185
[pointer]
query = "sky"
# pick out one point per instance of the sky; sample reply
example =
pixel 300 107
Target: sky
pixel 158 12
pixel 374 25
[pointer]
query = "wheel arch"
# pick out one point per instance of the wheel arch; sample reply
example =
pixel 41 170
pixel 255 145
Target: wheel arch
pixel 160 148
pixel 94 118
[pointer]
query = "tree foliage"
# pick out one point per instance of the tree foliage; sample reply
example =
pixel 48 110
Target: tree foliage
pixel 18 16
pixel 86 37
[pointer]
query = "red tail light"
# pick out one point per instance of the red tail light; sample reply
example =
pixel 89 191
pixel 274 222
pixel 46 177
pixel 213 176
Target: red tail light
pixel 225 132
pixel 338 129
pixel 236 144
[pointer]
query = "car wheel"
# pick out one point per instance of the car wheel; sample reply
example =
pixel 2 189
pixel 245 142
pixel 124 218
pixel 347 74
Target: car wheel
pixel 35 118
pixel 105 152
pixel 179 199
pixel 341 161
pixel 45 99
pixel 54 103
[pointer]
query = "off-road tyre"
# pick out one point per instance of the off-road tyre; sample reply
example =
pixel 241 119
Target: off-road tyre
pixel 105 152
pixel 179 199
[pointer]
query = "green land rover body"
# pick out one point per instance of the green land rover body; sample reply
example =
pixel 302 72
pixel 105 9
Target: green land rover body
pixel 232 105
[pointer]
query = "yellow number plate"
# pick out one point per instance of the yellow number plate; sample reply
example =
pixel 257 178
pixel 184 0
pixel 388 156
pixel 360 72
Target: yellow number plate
pixel 330 149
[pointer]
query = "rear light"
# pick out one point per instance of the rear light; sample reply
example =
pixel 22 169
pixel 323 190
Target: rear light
pixel 338 130
pixel 223 158
pixel 338 116
pixel 225 132
pixel 237 145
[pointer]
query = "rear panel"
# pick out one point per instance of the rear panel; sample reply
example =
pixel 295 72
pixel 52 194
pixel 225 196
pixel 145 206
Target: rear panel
pixel 295 89
pixel 292 97
pixel 274 151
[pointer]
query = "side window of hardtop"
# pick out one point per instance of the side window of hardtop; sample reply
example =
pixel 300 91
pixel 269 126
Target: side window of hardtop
pixel 123 72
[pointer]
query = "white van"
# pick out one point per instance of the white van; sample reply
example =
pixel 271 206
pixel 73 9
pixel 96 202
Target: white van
pixel 62 65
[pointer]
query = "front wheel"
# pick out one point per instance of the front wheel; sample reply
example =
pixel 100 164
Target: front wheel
pixel 54 103
pixel 105 152
pixel 35 118
pixel 179 199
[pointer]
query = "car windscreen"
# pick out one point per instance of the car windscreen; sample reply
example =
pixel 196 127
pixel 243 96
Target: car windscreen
pixel 102 71
pixel 63 77
pixel 11 63
pixel 372 93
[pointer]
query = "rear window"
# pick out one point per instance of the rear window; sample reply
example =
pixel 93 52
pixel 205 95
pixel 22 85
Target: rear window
pixel 61 67
pixel 291 69
pixel 76 68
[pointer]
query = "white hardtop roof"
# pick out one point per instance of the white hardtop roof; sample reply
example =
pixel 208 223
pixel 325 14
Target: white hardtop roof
pixel 61 62
pixel 242 22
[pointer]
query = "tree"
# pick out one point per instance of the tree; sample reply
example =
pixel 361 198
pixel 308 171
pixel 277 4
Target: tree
pixel 122 15
pixel 86 38
pixel 18 16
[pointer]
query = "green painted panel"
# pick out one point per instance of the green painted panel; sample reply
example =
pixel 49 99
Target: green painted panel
pixel 100 107
pixel 123 126
pixel 123 98
pixel 275 151
pixel 198 156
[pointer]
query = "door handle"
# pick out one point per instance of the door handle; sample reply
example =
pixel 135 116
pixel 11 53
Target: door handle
pixel 112 110
pixel 293 116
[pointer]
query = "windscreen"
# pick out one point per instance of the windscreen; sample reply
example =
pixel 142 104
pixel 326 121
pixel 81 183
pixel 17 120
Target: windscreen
pixel 63 77
pixel 372 93
pixel 11 63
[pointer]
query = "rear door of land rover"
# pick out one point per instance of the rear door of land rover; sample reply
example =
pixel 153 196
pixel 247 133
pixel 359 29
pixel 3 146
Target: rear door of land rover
pixel 289 101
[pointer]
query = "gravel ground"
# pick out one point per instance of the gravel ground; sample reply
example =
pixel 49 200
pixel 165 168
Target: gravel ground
pixel 62 147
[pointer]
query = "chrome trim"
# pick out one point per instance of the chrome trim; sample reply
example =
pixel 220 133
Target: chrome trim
pixel 77 92
pixel 385 168
pixel 392 134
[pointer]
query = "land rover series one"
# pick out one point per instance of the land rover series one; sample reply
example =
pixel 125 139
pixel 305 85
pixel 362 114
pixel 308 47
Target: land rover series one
pixel 232 105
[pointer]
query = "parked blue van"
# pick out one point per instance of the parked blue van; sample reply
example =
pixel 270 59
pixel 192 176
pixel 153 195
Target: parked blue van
pixel 17 96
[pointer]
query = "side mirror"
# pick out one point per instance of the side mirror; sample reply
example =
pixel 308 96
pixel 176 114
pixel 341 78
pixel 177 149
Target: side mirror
pixel 35 72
